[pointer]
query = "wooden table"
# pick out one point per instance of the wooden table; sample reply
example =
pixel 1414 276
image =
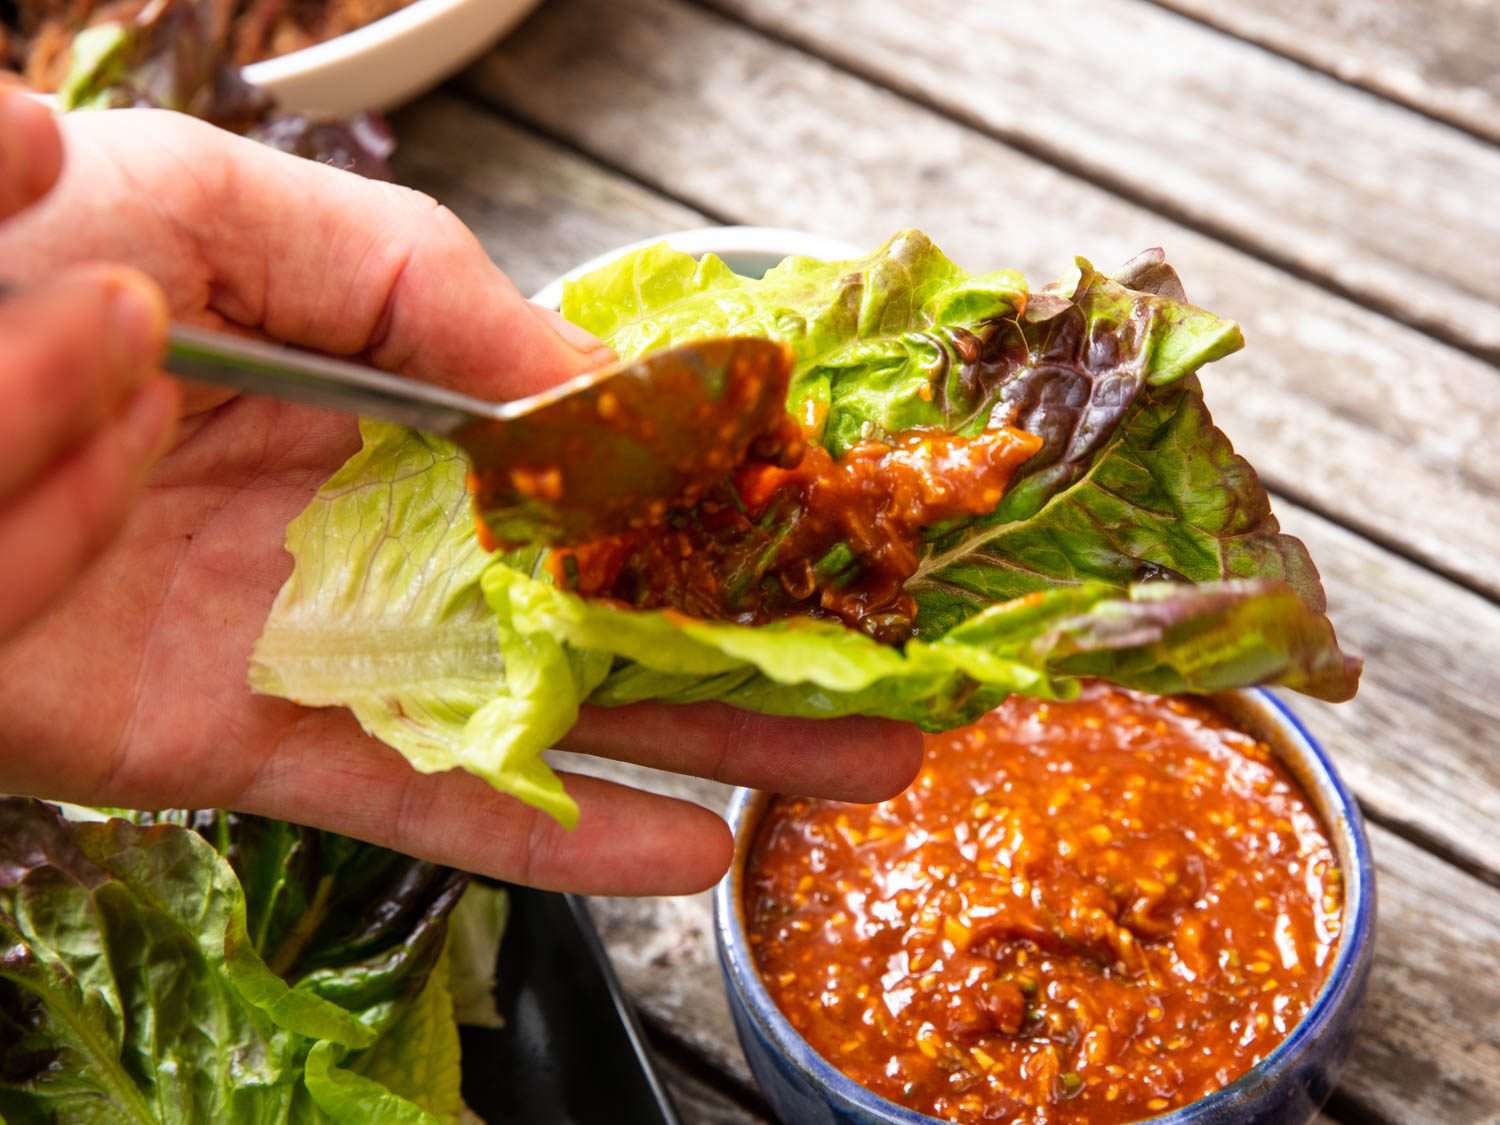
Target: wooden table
pixel 1327 174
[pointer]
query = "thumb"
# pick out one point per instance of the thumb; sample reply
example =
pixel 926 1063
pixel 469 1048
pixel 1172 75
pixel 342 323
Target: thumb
pixel 352 266
pixel 452 317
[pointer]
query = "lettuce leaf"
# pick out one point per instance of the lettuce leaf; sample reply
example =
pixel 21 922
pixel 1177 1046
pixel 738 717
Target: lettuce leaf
pixel 1162 637
pixel 135 984
pixel 1135 546
pixel 410 1076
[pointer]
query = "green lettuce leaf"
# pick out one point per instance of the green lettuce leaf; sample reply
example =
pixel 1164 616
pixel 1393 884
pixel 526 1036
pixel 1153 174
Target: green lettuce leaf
pixel 383 613
pixel 868 336
pixel 410 1076
pixel 1136 545
pixel 133 986
pixel 1162 637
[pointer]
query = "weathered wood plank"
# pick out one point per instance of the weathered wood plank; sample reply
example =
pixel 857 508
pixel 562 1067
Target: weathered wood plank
pixel 1339 407
pixel 1438 58
pixel 538 209
pixel 1429 1042
pixel 1367 195
pixel 1415 742
pixel 1428 1047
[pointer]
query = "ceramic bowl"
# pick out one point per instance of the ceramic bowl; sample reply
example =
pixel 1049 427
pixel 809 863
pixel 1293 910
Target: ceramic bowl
pixel 389 61
pixel 1285 1088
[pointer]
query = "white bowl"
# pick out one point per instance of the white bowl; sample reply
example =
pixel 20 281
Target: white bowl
pixel 388 61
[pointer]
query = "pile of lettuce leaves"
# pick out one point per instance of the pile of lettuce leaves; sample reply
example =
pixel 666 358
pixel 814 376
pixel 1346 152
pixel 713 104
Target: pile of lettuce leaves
pixel 1136 546
pixel 195 966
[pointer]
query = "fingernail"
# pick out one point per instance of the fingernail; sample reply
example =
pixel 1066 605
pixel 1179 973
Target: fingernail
pixel 579 339
pixel 137 319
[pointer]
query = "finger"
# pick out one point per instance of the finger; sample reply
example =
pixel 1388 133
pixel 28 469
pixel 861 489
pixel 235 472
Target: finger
pixel 50 533
pixel 70 354
pixel 853 759
pixel 328 774
pixel 30 150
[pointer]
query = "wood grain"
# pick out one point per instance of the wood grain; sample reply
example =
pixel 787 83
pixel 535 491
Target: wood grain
pixel 1305 170
pixel 1415 744
pixel 537 209
pixel 1428 1047
pixel 1338 406
pixel 1438 58
pixel 1418 742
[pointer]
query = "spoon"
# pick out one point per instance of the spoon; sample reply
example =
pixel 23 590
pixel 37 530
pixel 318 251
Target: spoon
pixel 598 454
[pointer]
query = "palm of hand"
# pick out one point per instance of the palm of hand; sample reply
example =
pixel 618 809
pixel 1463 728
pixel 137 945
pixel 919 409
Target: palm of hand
pixel 182 594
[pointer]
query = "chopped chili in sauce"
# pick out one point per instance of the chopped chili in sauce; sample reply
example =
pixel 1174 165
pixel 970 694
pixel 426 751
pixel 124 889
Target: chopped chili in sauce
pixel 820 537
pixel 1091 911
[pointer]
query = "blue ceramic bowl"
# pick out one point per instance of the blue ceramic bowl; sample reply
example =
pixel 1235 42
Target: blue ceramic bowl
pixel 1285 1088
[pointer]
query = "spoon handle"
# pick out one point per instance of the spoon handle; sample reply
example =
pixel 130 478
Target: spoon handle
pixel 206 356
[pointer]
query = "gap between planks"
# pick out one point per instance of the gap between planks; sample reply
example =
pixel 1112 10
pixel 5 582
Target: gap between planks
pixel 1325 182
pixel 1390 421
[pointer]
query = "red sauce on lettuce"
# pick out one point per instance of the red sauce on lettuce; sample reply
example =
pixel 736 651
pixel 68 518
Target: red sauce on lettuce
pixel 824 537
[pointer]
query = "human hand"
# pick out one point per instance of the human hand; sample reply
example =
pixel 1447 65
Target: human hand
pixel 131 689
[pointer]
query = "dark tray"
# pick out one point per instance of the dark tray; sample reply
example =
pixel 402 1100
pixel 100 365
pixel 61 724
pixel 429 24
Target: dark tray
pixel 571 1051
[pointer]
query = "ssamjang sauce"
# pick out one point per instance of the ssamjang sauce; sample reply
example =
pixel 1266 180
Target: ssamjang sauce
pixel 1091 911
pixel 819 536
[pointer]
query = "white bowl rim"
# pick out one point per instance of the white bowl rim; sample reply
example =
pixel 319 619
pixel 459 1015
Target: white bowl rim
pixel 351 44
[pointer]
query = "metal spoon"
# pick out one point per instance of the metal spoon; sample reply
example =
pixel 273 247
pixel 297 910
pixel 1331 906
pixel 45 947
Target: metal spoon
pixel 595 455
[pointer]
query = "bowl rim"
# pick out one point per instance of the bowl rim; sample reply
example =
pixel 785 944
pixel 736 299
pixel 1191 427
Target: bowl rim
pixel 1342 818
pixel 352 44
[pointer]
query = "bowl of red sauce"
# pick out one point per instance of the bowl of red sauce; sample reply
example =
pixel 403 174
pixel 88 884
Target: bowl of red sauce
pixel 1118 908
